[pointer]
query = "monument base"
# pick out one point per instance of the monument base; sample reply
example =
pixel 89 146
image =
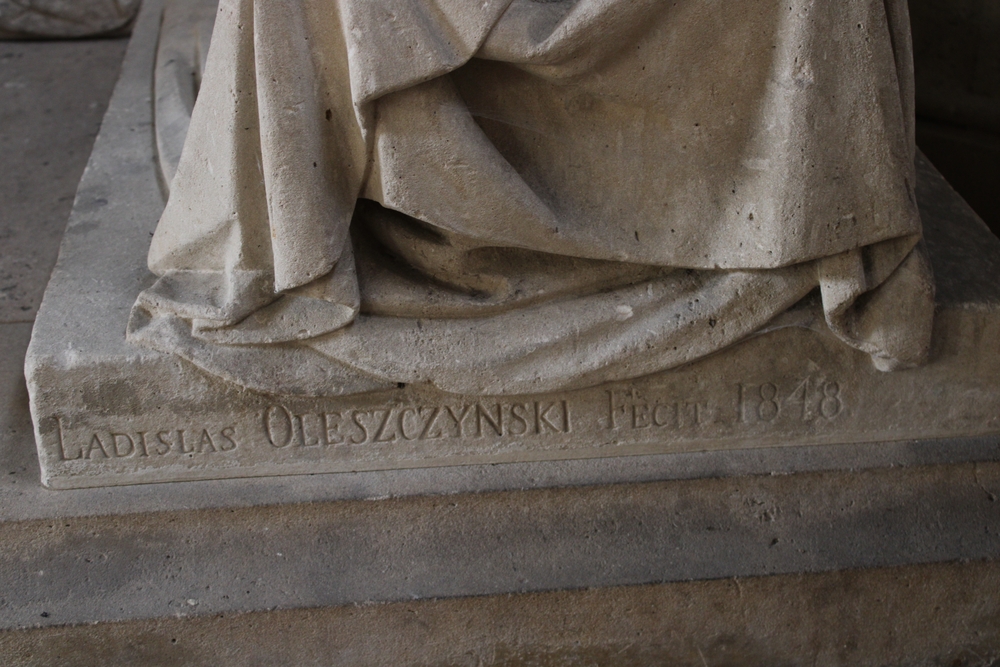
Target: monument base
pixel 108 413
pixel 863 567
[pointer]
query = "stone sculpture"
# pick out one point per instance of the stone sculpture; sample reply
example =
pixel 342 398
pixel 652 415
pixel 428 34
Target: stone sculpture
pixel 65 18
pixel 517 196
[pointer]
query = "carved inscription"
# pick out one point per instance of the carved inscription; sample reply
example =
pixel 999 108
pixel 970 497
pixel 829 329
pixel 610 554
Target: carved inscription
pixel 108 445
pixel 786 403
pixel 639 411
pixel 807 400
pixel 286 428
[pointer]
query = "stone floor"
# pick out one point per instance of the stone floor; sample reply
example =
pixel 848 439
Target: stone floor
pixel 945 611
pixel 52 98
pixel 933 616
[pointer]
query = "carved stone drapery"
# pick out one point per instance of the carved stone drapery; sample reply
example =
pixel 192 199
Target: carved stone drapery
pixel 513 196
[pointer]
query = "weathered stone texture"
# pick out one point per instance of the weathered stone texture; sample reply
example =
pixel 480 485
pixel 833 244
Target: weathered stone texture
pixel 927 615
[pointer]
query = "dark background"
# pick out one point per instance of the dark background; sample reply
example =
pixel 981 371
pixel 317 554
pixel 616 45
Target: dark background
pixel 957 58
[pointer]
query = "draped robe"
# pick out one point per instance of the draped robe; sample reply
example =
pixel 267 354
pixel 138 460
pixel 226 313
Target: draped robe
pixel 512 196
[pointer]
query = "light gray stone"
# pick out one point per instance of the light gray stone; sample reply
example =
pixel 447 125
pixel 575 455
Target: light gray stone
pixel 116 574
pixel 107 412
pixel 201 549
pixel 546 203
pixel 926 615
pixel 65 18
pixel 42 158
pixel 137 575
pixel 133 565
pixel 151 553
pixel 185 35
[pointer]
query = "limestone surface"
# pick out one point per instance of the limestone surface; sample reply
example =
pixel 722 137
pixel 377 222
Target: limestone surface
pixel 109 412
pixel 921 615
pixel 165 574
pixel 516 197
pixel 65 18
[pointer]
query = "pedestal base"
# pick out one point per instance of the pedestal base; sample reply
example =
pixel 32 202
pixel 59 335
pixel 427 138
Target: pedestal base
pixel 108 413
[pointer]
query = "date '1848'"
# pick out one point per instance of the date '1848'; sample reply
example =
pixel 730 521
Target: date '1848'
pixel 799 400
pixel 809 400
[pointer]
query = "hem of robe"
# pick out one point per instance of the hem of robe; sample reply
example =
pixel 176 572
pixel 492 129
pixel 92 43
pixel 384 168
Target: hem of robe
pixel 570 343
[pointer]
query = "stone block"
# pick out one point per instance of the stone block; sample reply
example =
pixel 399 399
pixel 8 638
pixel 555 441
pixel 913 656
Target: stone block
pixel 108 413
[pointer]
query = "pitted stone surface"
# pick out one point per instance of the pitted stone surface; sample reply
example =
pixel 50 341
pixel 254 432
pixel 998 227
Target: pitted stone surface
pixel 925 615
pixel 107 412
pixel 548 203
pixel 178 564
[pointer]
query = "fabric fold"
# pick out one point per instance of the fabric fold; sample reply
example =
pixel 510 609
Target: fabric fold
pixel 386 190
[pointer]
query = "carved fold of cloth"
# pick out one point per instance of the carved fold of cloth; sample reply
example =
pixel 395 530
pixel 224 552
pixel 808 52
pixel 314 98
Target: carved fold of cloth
pixel 514 196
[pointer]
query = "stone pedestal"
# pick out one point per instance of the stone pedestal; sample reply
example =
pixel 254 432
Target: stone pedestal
pixel 109 413
pixel 871 546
